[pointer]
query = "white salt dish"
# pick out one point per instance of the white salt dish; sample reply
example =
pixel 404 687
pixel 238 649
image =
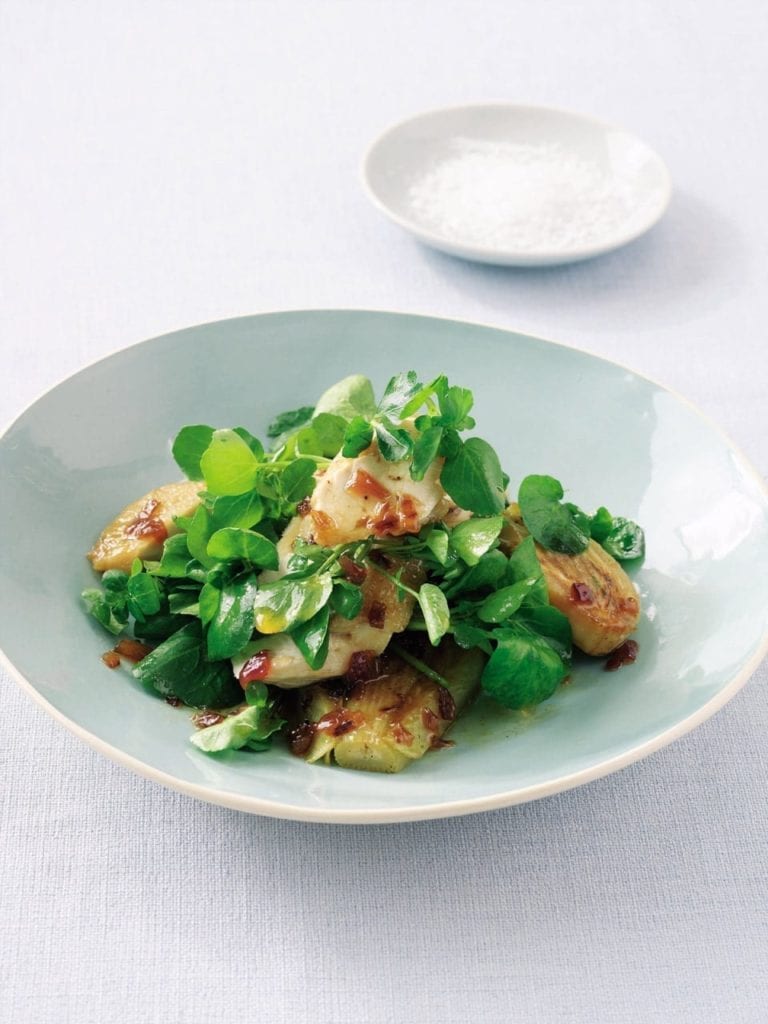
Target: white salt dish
pixel 516 185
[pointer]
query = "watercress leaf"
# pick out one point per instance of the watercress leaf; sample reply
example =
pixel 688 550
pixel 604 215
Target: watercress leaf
pixel 434 608
pixel 207 602
pixel 437 542
pixel 287 422
pixel 180 668
pixel 400 390
pixel 349 398
pixel 198 534
pixel 175 558
pixel 115 584
pixel 550 623
pixel 184 602
pixel 311 638
pixel 524 564
pixel 468 635
pixel 298 480
pixel 455 405
pixel 231 626
pixel 253 442
pixel 256 694
pixel 159 627
pixel 600 524
pixel 113 620
pixel 358 436
pixel 523 669
pixel 231 543
pixel 251 728
pixel 395 443
pixel 188 448
pixel 228 464
pixel 488 573
pixel 241 510
pixel 498 607
pixel 422 395
pixel 471 539
pixel 346 599
pixel 581 519
pixel 425 451
pixel 323 436
pixel 625 541
pixel 143 595
pixel 289 602
pixel 196 572
pixel 472 477
pixel 551 523
pixel 450 443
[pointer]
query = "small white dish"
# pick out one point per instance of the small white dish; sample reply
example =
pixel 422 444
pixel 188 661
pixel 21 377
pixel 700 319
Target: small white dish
pixel 516 185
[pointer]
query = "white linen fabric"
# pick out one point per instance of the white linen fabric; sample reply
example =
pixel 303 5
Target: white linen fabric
pixel 170 164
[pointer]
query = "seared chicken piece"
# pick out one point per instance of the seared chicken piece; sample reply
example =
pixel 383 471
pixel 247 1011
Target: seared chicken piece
pixel 141 528
pixel 367 635
pixel 591 589
pixel 368 496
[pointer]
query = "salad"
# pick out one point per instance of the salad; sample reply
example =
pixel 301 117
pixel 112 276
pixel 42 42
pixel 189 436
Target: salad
pixel 355 582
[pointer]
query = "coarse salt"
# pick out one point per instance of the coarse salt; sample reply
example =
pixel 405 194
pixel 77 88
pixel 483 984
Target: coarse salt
pixel 533 197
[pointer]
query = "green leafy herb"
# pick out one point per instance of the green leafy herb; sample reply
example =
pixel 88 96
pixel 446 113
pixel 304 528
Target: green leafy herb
pixel 233 543
pixel 251 728
pixel 189 447
pixel 473 478
pixel 175 558
pixel 229 465
pixel 523 669
pixel 434 608
pixel 554 525
pixel 231 625
pixel 473 538
pixel 289 602
pixel 240 510
pixel 600 525
pixel 425 450
pixel 346 599
pixel 395 443
pixel 179 667
pixel 287 422
pixel 353 396
pixel 312 637
pixel 358 436
pixel 625 541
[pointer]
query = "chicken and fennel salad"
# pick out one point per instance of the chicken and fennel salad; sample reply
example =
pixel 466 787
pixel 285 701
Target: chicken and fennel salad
pixel 355 583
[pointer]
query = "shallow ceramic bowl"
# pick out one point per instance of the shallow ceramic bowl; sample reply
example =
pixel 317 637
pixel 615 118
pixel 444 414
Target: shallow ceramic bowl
pixel 442 173
pixel 101 439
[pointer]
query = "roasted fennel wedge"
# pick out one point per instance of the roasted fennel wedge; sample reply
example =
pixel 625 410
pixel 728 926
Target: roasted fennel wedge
pixel 383 723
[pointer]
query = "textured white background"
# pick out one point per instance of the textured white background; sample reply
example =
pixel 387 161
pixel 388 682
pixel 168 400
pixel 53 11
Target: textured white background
pixel 165 164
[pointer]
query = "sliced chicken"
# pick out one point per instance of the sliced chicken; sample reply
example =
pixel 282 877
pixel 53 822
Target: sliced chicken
pixel 367 635
pixel 591 589
pixel 368 496
pixel 140 529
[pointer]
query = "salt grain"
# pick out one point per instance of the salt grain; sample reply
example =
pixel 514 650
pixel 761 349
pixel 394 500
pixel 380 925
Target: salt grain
pixel 533 197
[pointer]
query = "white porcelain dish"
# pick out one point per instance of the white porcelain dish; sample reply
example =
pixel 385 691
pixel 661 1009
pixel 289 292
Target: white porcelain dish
pixel 82 451
pixel 516 185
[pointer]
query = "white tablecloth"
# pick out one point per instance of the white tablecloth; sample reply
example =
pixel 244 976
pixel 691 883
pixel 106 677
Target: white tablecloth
pixel 165 164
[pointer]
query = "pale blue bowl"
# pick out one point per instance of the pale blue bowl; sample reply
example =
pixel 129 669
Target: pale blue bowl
pixel 101 439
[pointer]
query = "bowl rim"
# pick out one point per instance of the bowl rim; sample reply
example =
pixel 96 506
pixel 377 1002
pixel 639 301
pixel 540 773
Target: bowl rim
pixel 498 255
pixel 412 812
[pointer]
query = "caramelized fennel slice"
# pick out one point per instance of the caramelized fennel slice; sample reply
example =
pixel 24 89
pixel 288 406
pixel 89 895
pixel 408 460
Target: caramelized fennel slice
pixel 140 529
pixel 591 589
pixel 383 724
